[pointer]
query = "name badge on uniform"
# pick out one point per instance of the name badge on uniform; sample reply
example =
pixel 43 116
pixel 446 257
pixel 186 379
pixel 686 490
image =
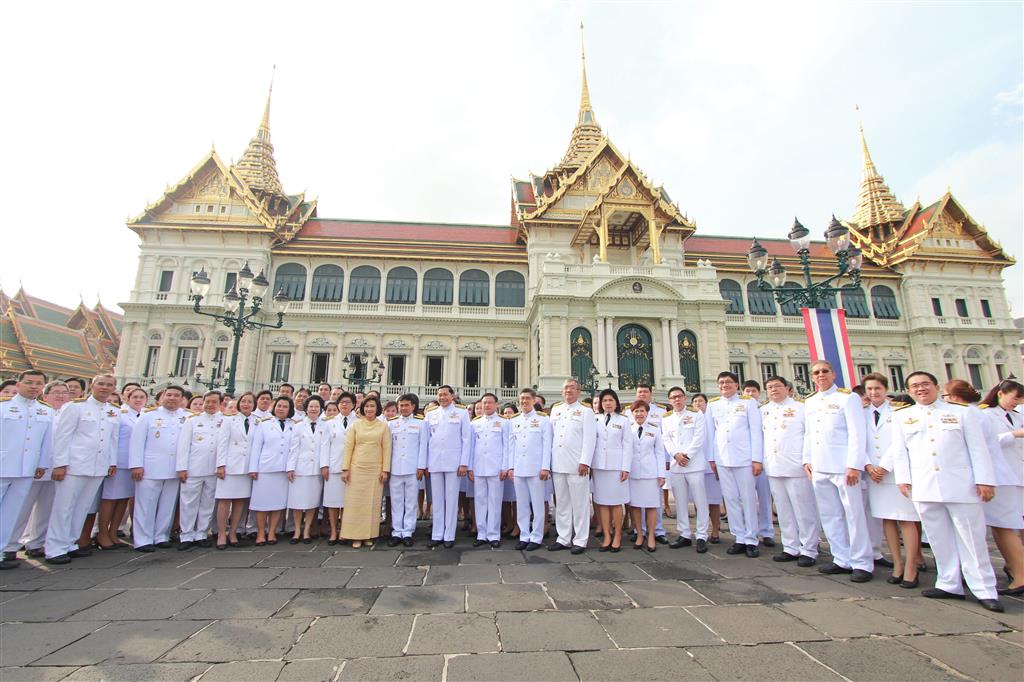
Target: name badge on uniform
pixel 789 412
pixel 832 407
pixel 649 434
pixel 111 413
pixel 181 420
pixel 497 426
pixel 687 421
pixel 617 426
pixel 740 409
pixel 535 422
pixel 910 421
pixel 159 422
pixel 949 419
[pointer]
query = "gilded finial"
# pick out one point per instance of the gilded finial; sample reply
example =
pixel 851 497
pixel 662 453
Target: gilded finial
pixel 869 165
pixel 265 123
pixel 876 204
pixel 586 111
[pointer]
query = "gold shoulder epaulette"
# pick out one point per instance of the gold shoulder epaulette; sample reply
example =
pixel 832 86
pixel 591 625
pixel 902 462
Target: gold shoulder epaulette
pixel 419 416
pixel 896 404
pixel 194 414
pixel 810 395
pixel 717 397
pixel 560 402
pixel 475 418
pixel 391 419
pixel 662 406
pixel 5 399
pixel 902 406
pixel 542 412
pixel 80 400
pixel 744 396
pixel 844 390
pixel 588 402
pixel 40 400
pixel 150 409
pixel 264 419
pixel 327 419
pixel 431 408
pixel 691 408
pixel 981 406
pixel 460 405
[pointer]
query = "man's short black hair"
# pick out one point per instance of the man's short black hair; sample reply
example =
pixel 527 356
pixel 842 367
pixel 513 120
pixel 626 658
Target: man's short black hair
pixel 728 375
pixel 751 383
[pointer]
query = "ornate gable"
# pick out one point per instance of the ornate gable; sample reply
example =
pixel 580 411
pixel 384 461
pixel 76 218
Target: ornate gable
pixel 945 232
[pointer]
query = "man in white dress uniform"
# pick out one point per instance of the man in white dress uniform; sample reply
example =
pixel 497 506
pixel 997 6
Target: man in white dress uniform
pixel 762 488
pixel 528 464
pixel 834 444
pixel 408 447
pixel 573 438
pixel 197 469
pixel 683 432
pixel 487 470
pixel 941 462
pixel 447 458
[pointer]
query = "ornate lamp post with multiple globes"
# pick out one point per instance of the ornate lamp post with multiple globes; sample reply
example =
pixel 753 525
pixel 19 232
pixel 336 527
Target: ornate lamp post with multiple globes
pixel 812 294
pixel 357 374
pixel 235 316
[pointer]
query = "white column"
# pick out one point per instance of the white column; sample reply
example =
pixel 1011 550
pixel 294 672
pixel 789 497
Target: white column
pixel 453 364
pixel 666 362
pixel 165 359
pixel 673 352
pixel 564 344
pixel 609 339
pixel 490 373
pixel 544 347
pixel 413 370
pixel 299 372
pixel 597 345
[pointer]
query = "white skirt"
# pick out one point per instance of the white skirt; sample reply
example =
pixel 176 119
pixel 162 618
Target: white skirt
pixel 233 487
pixel 1006 510
pixel 334 492
pixel 887 502
pixel 119 486
pixel 608 489
pixel 712 487
pixel 270 491
pixel 644 493
pixel 305 492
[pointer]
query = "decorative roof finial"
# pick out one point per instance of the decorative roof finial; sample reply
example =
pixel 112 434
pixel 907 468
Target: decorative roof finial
pixel 869 165
pixel 586 136
pixel 257 166
pixel 876 204
pixel 265 122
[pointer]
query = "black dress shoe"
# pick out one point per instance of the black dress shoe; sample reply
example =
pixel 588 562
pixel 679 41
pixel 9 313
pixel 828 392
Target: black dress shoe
pixel 38 553
pixel 577 550
pixel 894 579
pixel 991 605
pixel 556 547
pixel 434 543
pixel 219 546
pixel 393 541
pixel 332 543
pixel 185 545
pixel 604 548
pixel 680 542
pixel 908 584
pixel 714 539
pixel 80 553
pixel 804 561
pixel 615 550
pixel 859 575
pixel 783 557
pixel 833 569
pixel 407 542
pixel 10 556
pixel 736 548
pixel 205 543
pixel 533 546
pixel 522 544
pixel 702 546
pixel 884 562
pixel 294 541
pixel 753 552
pixel 1012 591
pixel 661 539
pixel 145 549
pixel 936 593
pixel 651 548
pixel 768 542
pixel 59 560
pixel 6 565
pixel 166 544
pixel 449 544
pixel 495 544
pixel 480 543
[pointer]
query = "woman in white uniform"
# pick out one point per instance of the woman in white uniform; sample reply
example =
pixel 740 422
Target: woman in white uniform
pixel 119 488
pixel 332 452
pixel 305 484
pixel 647 474
pixel 233 483
pixel 613 454
pixel 1004 513
pixel 712 488
pixel 268 460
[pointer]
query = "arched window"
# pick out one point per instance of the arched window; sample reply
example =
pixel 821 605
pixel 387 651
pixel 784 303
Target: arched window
pixel 291 278
pixel 401 287
pixel 733 293
pixel 328 282
pixel 510 290
pixel 581 352
pixel 855 303
pixel 438 284
pixel 689 367
pixel 364 285
pixel 791 309
pixel 474 288
pixel 188 334
pixel 884 303
pixel 761 302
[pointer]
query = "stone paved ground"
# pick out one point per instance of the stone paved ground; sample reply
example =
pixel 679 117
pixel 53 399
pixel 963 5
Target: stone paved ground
pixel 313 612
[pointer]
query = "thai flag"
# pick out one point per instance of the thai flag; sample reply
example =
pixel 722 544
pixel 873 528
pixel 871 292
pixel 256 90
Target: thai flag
pixel 827 340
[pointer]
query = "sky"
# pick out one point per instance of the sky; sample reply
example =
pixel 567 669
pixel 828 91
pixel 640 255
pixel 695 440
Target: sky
pixel 423 111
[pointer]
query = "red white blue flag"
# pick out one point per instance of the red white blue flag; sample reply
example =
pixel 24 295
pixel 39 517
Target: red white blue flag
pixel 827 340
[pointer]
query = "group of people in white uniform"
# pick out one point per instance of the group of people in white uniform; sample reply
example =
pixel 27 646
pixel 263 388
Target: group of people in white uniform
pixel 862 469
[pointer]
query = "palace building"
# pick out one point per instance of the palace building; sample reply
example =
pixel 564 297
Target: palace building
pixel 599 274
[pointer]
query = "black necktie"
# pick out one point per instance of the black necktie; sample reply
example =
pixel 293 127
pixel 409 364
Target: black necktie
pixel 344 422
pixel 877 417
pixel 245 424
pixel 1009 418
pixel 639 432
pixel 282 424
pixel 312 425
pixel 607 418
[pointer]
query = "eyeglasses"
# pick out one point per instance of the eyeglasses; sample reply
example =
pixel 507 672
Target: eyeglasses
pixel 919 385
pixel 821 371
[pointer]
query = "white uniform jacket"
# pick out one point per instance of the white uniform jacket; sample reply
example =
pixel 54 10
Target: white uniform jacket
pixel 939 449
pixel 488 445
pixel 304 456
pixel 685 432
pixel 573 437
pixel 448 438
pixel 85 437
pixel 878 438
pixel 154 444
pixel 834 431
pixel 233 444
pixel 332 449
pixel 529 444
pixel 129 418
pixel 649 455
pixel 408 444
pixel 734 431
pixel 1011 448
pixel 26 437
pixel 271 446
pixel 783 424
pixel 197 444
pixel 655 415
pixel 616 441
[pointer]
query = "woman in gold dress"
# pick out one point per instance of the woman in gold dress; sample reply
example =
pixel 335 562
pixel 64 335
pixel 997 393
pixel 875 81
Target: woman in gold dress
pixel 365 470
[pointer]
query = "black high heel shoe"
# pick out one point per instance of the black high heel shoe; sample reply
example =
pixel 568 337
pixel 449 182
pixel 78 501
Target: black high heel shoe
pixel 604 548
pixel 908 584
pixel 639 546
pixel 894 579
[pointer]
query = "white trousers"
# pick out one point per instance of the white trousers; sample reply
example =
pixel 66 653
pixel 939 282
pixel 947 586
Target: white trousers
pixel 686 488
pixel 13 495
pixel 841 508
pixel 740 495
pixel 72 499
pixel 444 488
pixel 529 498
pixel 572 509
pixel 404 490
pixel 154 510
pixel 956 532
pixel 798 514
pixel 874 525
pixel 196 507
pixel 487 503
pixel 762 487
pixel 30 528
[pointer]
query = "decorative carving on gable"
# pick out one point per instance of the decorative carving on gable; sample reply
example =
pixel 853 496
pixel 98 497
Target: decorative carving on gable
pixel 737 353
pixel 359 343
pixel 510 348
pixel 800 353
pixel 281 341
pixel 768 353
pixel 600 175
pixel 320 341
pixel 434 345
pixel 214 186
pixel 472 345
pixel 396 343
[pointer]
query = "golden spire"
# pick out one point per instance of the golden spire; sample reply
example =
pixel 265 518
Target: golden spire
pixel 257 166
pixel 876 204
pixel 586 111
pixel 586 136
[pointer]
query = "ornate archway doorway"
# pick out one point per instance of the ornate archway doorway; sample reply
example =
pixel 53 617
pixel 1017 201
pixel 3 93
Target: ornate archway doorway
pixel 635 356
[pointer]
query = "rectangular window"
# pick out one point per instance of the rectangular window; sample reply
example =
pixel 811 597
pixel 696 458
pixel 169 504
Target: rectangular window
pixel 937 307
pixel 230 280
pixel 896 378
pixel 802 375
pixel 471 372
pixel 166 280
pixel 975 372
pixel 986 308
pixel 280 363
pixel 220 361
pixel 152 356
pixel 961 307
pixel 186 364
pixel 1000 372
pixel 509 367
pixel 435 369
pixel 737 369
pixel 863 371
pixel 318 365
pixel 768 369
pixel 396 370
pixel 949 371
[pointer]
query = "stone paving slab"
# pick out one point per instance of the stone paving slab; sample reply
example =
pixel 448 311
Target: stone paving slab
pixel 753 624
pixel 10 596
pixel 35 674
pixel 844 619
pixel 543 666
pixel 665 627
pixel 979 656
pixel 296 559
pixel 238 604
pixel 243 670
pixel 647 664
pixel 235 640
pixel 936 617
pixel 543 557
pixel 353 636
pixel 78 579
pixel 141 605
pixel 381 558
pixel 761 662
pixel 437 599
pixel 524 597
pixel 234 558
pixel 24 643
pixel 375 576
pixel 873 659
pixel 150 577
pixel 125 642
pixel 493 557
pixel 745 591
pixel 316 670
pixel 397 669
pixel 431 557
pixel 608 572
pixel 454 633
pixel 462 575
pixel 663 593
pixel 812 587
pixel 536 573
pixel 551 631
pixel 235 578
pixel 343 602
pixel 588 595
pixel 53 606
pixel 313 578
pixel 679 570
pixel 139 672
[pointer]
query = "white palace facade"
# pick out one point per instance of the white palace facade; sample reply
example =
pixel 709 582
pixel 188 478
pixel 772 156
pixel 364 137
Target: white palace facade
pixel 598 269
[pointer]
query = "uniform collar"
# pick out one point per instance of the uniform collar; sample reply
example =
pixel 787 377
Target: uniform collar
pixel 830 390
pixel 17 396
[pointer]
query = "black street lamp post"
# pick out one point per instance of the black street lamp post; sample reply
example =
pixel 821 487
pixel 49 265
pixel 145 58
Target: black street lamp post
pixel 812 294
pixel 235 316
pixel 214 379
pixel 357 374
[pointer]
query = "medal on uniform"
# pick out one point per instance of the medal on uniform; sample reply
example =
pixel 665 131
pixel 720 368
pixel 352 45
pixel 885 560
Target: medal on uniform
pixel 199 438
pixel 156 435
